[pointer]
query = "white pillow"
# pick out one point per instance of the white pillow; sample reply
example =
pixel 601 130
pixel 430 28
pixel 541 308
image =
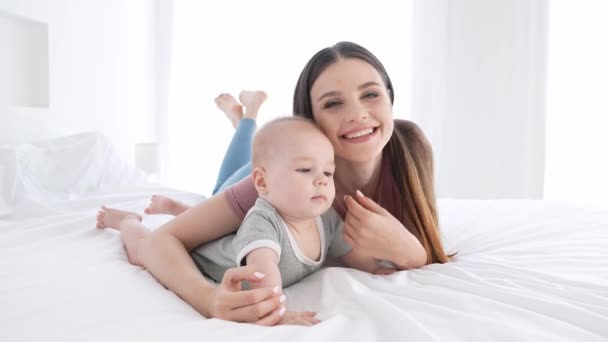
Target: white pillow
pixel 8 179
pixel 74 164
pixel 60 168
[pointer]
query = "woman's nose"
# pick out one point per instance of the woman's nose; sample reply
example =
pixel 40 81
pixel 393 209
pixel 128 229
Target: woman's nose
pixel 357 111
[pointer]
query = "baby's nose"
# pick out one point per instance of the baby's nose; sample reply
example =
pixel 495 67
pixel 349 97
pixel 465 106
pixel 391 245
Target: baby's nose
pixel 321 180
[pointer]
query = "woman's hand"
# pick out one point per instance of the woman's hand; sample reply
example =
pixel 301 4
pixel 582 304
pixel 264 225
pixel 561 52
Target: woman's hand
pixel 260 306
pixel 372 230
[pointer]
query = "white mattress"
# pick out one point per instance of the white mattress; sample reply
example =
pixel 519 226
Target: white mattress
pixel 526 270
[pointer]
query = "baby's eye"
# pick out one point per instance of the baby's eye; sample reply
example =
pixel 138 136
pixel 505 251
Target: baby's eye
pixel 303 170
pixel 328 174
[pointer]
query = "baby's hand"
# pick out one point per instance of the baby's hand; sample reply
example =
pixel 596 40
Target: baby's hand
pixel 299 318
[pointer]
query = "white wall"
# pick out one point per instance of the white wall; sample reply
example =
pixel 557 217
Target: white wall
pixel 479 73
pixel 23 62
pixel 234 45
pixel 577 103
pixel 101 71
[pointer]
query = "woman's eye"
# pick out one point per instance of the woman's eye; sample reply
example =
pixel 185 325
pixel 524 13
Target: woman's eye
pixel 331 104
pixel 370 95
pixel 303 170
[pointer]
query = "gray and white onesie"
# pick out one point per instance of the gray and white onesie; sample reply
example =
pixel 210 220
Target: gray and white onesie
pixel 264 227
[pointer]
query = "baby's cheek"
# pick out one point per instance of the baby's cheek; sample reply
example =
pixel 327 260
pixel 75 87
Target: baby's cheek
pixel 292 193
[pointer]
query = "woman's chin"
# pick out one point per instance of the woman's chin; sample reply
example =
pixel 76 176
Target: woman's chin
pixel 366 155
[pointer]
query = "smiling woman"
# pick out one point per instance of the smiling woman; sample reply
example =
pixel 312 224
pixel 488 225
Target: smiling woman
pixel 347 91
pixel 223 47
pixel 352 77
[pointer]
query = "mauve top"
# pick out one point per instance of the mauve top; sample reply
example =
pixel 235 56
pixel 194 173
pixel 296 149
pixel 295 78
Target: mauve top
pixel 242 196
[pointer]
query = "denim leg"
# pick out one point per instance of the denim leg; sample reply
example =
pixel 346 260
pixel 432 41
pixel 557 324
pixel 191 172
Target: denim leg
pixel 241 173
pixel 237 156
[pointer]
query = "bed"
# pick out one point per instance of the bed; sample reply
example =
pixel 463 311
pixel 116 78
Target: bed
pixel 525 270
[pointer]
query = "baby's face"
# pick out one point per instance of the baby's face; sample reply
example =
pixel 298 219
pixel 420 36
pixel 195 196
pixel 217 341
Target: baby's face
pixel 299 177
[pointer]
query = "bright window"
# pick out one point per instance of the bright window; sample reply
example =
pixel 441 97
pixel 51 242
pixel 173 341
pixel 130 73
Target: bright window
pixel 577 103
pixel 226 46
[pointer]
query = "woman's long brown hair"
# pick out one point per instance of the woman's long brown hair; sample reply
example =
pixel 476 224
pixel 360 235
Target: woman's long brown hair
pixel 408 149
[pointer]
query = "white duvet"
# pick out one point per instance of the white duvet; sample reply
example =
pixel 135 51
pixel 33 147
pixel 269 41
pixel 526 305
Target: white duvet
pixel 525 270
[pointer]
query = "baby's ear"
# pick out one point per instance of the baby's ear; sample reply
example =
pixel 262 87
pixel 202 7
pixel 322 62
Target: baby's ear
pixel 259 180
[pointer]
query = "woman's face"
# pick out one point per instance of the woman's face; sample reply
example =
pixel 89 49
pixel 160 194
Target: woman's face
pixel 351 104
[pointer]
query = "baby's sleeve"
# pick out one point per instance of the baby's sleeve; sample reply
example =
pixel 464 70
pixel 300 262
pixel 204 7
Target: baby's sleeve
pixel 256 231
pixel 337 246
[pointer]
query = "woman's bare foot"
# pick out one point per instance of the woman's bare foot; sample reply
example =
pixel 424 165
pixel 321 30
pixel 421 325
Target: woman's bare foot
pixel 252 100
pixel 233 110
pixel 160 204
pixel 111 218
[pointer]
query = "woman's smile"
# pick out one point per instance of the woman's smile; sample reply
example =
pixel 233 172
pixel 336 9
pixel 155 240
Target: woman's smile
pixel 358 136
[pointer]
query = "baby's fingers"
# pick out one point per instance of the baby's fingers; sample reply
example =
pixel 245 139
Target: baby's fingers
pixel 306 318
pixel 310 320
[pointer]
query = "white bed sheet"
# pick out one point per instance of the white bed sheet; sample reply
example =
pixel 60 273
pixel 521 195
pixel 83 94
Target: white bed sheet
pixel 525 270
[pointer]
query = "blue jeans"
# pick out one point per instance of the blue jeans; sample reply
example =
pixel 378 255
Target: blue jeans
pixel 237 160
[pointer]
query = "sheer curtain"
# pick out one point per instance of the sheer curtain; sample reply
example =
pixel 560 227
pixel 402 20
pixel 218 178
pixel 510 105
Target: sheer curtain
pixel 226 46
pixel 479 85
pixel 577 103
pixel 513 95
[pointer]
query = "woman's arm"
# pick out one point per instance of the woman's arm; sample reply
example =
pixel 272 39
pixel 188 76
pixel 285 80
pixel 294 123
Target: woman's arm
pixel 358 260
pixel 165 254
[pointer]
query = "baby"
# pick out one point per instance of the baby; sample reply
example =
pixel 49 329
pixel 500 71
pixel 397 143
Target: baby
pixel 292 227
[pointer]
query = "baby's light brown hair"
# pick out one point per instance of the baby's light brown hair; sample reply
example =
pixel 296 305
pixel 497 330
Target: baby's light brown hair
pixel 275 134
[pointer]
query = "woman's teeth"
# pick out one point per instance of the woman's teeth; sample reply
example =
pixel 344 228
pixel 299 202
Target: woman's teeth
pixel 359 134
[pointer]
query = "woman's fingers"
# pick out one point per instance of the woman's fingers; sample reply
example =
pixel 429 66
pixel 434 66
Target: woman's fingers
pixel 245 298
pixel 250 305
pixel 353 223
pixel 351 230
pixel 234 276
pixel 273 318
pixel 258 311
pixel 354 208
pixel 349 238
pixel 369 203
pixel 350 233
